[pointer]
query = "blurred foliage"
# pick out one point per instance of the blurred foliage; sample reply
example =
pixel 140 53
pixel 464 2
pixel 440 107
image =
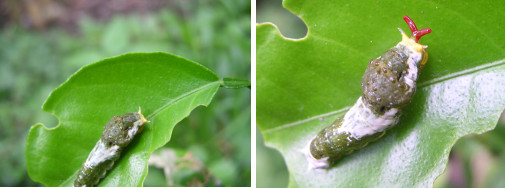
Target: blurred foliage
pixel 290 25
pixel 215 34
pixel 475 161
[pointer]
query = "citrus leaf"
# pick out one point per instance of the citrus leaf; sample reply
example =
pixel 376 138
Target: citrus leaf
pixel 166 87
pixel 303 85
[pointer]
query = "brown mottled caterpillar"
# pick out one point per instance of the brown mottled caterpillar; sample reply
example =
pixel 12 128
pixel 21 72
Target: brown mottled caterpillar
pixel 117 134
pixel 388 85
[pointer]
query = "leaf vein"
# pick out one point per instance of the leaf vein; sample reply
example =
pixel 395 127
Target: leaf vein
pixel 306 120
pixel 461 73
pixel 157 111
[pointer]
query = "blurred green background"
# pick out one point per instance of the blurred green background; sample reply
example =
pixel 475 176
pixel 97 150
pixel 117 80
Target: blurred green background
pixel 475 160
pixel 43 42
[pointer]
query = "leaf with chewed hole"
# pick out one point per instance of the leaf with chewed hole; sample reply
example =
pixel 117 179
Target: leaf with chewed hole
pixel 166 87
pixel 303 85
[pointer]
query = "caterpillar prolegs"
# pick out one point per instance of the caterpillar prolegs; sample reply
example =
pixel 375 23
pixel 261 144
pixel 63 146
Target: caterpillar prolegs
pixel 388 85
pixel 117 134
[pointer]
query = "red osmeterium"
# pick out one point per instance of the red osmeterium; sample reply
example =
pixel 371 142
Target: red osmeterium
pixel 416 33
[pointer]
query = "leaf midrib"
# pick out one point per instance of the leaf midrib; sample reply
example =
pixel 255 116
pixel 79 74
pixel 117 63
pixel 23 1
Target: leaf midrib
pixel 152 115
pixel 420 85
pixel 183 95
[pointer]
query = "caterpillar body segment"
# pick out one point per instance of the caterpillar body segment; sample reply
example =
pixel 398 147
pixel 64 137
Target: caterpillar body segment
pixel 117 134
pixel 388 84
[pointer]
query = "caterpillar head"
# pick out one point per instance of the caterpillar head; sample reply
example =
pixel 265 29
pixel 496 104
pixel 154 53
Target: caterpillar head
pixel 120 130
pixel 412 42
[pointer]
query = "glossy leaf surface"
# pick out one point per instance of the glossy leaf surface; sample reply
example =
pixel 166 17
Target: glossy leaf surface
pixel 303 85
pixel 166 87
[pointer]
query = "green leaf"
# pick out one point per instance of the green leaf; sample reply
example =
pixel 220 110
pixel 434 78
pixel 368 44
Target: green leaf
pixel 166 87
pixel 303 85
pixel 235 83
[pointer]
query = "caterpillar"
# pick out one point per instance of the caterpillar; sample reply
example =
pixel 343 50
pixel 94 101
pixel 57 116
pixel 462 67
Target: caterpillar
pixel 388 85
pixel 117 134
